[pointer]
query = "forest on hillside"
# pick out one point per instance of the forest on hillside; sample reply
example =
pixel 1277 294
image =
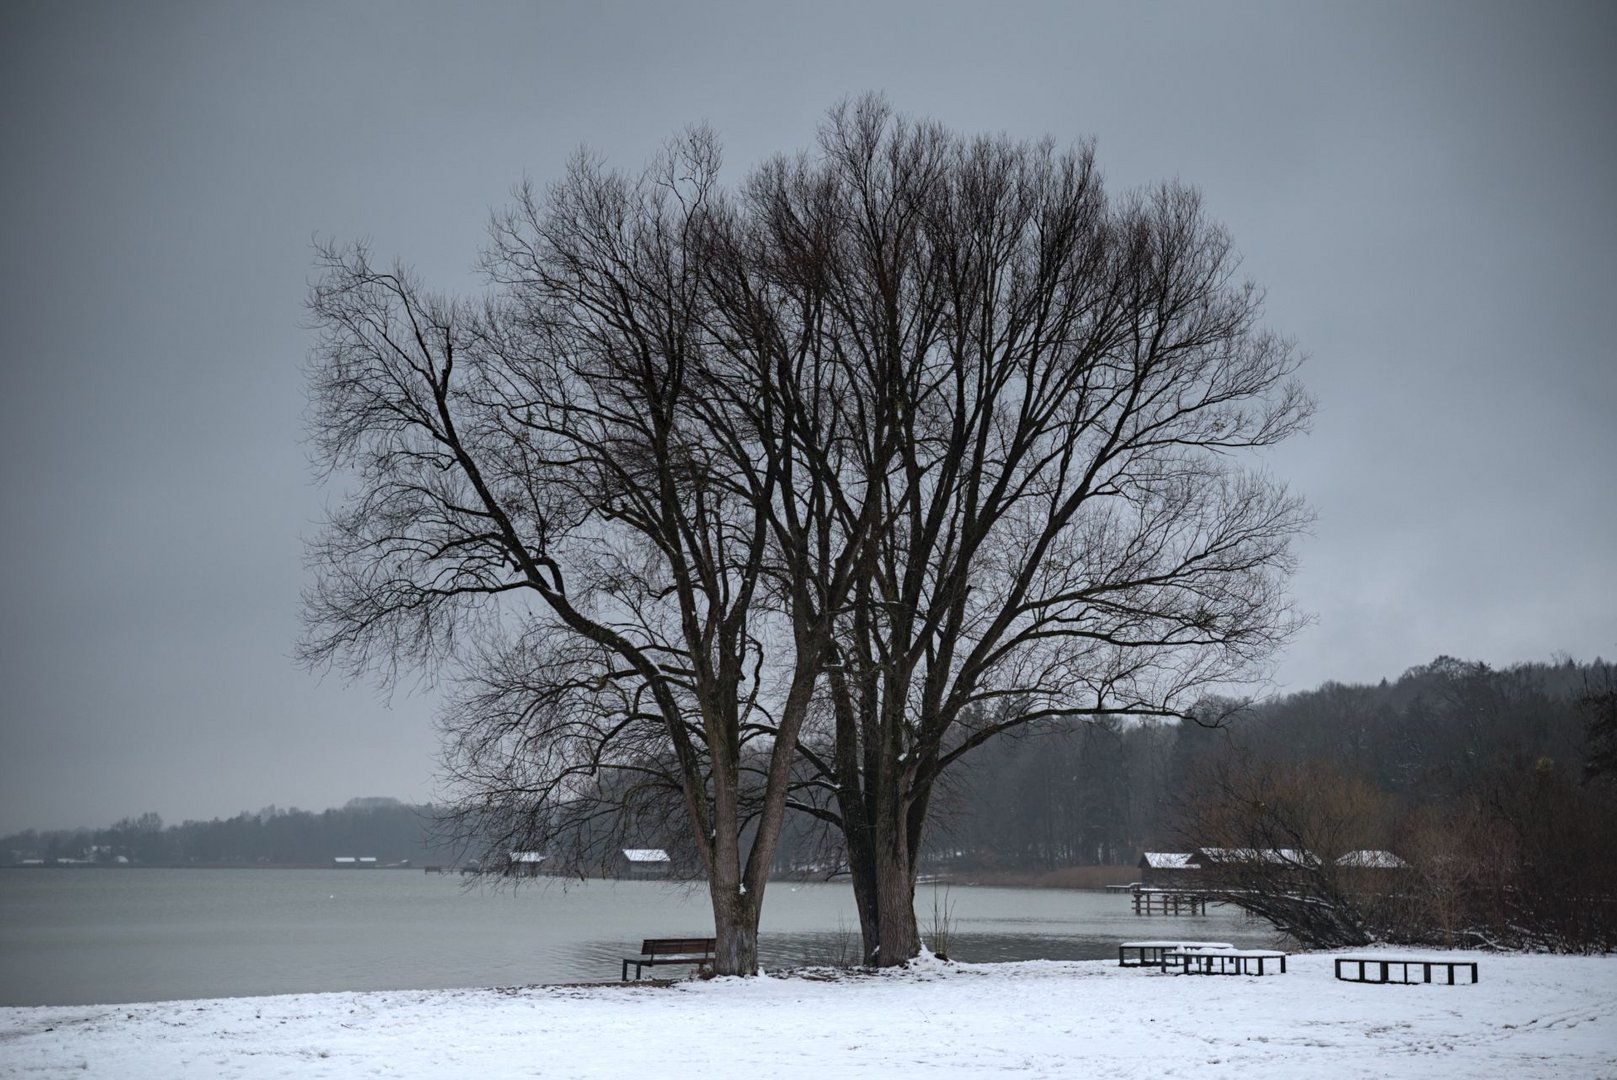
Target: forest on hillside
pixel 1442 734
pixel 1457 805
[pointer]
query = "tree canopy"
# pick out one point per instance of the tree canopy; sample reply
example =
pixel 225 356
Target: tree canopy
pixel 721 501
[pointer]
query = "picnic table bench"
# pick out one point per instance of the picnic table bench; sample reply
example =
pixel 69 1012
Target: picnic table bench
pixel 1222 961
pixel 1379 969
pixel 678 950
pixel 1151 952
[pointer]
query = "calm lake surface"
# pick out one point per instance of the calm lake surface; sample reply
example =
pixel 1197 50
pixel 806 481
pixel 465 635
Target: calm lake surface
pixel 74 937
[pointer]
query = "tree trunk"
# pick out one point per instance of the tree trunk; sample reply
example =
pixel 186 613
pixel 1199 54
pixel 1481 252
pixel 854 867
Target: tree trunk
pixel 853 804
pixel 862 875
pixel 900 936
pixel 895 888
pixel 862 872
pixel 735 931
pixel 883 878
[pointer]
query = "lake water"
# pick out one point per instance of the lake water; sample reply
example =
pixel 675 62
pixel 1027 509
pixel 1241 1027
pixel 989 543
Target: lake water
pixel 71 937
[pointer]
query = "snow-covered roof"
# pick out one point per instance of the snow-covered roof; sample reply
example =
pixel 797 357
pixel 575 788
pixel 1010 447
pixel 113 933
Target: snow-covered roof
pixel 1167 860
pixel 1372 859
pixel 527 857
pixel 646 855
pixel 1286 856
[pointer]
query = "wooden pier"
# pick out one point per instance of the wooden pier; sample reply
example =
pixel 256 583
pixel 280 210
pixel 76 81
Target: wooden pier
pixel 1168 902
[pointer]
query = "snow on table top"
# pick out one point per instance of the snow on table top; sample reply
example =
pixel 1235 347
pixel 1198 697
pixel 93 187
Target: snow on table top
pixel 1407 958
pixel 1175 944
pixel 1538 1017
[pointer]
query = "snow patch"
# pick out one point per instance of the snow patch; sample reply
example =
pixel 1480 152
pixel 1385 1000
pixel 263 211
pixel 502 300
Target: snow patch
pixel 1529 1017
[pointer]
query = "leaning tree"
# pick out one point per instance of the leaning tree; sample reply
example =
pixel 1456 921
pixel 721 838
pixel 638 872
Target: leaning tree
pixel 575 496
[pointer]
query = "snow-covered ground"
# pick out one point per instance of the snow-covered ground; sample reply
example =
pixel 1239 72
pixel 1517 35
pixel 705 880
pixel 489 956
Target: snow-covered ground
pixel 1530 1016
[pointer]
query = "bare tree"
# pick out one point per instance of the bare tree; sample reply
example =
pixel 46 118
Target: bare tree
pixel 573 492
pixel 925 426
pixel 1518 863
pixel 1302 846
pixel 1064 527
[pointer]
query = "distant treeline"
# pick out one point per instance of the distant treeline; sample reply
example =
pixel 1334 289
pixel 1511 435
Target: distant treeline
pixel 1081 793
pixel 384 829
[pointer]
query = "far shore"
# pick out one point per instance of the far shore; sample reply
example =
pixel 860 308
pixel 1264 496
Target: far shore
pixel 1068 877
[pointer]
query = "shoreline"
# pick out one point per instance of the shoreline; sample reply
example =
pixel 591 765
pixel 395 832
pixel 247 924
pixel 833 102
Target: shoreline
pixel 1093 878
pixel 926 964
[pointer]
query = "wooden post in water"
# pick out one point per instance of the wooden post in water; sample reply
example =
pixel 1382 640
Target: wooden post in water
pixel 1155 902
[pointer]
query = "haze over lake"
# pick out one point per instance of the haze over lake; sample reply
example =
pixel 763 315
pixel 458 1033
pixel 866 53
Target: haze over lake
pixel 71 937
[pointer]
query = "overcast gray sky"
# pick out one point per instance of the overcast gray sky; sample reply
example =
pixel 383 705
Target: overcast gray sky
pixel 1428 192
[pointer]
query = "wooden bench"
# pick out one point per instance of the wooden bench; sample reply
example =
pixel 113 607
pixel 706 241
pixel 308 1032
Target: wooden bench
pixel 1222 961
pixel 676 950
pixel 1379 969
pixel 1150 953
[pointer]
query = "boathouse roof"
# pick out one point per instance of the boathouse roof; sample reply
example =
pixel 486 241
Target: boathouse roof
pixel 1373 860
pixel 646 855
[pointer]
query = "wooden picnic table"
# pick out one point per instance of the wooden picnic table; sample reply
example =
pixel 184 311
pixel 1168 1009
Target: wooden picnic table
pixel 1222 961
pixel 1379 969
pixel 1150 953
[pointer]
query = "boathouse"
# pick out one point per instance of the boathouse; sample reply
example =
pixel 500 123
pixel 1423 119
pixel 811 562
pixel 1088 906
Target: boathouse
pixel 643 863
pixel 524 864
pixel 1370 871
pixel 1167 868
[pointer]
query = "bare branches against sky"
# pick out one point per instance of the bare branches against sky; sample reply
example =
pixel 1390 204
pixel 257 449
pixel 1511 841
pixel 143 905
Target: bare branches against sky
pixel 1423 189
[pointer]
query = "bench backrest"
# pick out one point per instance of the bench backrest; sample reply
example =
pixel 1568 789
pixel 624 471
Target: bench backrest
pixel 676 945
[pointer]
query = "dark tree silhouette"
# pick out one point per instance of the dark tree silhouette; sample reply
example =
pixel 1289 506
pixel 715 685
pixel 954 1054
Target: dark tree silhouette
pixel 1067 529
pixel 903 446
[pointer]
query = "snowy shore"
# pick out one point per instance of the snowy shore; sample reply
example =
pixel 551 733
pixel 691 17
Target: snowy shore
pixel 1529 1016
